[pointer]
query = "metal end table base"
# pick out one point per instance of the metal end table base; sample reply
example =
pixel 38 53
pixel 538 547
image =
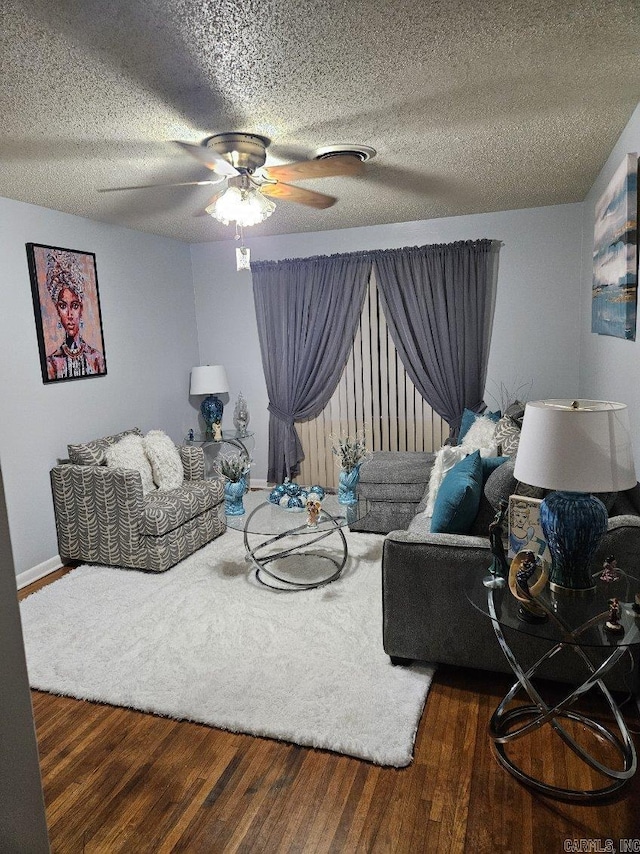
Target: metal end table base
pixel 503 733
pixel 506 723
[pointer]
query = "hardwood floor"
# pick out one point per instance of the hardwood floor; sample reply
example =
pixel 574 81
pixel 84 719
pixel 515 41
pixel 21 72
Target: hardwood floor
pixel 117 780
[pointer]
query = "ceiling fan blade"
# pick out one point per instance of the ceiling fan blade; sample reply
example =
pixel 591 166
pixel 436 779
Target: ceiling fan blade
pixel 297 194
pixel 327 167
pixel 211 159
pixel 212 199
pixel 151 186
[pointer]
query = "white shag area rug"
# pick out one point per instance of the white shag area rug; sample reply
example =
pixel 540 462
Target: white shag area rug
pixel 206 642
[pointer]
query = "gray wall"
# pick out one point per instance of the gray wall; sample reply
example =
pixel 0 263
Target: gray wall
pixel 22 817
pixel 146 293
pixel 609 366
pixel 536 325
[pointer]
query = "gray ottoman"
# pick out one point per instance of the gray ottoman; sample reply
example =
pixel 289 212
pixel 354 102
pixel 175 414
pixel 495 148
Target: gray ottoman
pixel 394 483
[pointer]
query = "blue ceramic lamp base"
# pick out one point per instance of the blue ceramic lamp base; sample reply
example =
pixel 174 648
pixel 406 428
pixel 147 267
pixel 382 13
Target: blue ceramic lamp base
pixel 573 524
pixel 212 409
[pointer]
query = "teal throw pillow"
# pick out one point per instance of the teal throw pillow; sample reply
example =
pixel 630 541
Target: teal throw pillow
pixel 490 464
pixel 458 498
pixel 469 416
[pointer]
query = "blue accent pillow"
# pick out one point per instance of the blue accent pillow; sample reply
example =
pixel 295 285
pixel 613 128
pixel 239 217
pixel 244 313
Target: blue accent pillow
pixel 469 416
pixel 458 498
pixel 490 464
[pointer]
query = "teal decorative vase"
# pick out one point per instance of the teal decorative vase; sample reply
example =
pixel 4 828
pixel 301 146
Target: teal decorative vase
pixel 347 483
pixel 573 524
pixel 233 493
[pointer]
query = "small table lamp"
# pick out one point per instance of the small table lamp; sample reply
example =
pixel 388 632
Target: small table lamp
pixel 210 380
pixel 576 447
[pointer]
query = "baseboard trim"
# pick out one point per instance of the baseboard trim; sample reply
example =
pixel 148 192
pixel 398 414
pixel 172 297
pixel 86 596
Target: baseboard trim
pixel 23 579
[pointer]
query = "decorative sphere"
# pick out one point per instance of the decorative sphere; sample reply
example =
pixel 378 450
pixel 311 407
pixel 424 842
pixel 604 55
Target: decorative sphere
pixel 293 497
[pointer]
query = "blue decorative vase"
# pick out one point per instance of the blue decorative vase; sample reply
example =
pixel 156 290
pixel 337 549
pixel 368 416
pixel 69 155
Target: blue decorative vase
pixel 211 409
pixel 347 483
pixel 233 493
pixel 573 524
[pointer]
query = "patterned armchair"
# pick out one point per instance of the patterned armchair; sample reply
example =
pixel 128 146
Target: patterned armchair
pixel 103 517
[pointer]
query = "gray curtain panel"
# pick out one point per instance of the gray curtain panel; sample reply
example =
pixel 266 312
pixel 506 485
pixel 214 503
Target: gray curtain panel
pixel 438 303
pixel 307 312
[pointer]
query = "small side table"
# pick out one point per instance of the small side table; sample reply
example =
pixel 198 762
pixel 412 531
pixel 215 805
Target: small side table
pixel 574 625
pixel 212 447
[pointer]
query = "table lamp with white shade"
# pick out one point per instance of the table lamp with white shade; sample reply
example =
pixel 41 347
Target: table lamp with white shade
pixel 210 380
pixel 576 448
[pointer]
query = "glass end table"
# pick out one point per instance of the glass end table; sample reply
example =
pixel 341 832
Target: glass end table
pixel 242 444
pixel 231 437
pixel 287 552
pixel 576 626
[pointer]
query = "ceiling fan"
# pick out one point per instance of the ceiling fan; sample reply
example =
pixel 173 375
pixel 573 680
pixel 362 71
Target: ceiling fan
pixel 248 185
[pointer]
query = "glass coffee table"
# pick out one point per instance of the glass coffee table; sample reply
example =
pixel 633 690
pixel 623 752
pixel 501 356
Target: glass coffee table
pixel 288 553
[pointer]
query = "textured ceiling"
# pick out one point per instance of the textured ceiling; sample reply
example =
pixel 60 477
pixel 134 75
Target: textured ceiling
pixel 471 107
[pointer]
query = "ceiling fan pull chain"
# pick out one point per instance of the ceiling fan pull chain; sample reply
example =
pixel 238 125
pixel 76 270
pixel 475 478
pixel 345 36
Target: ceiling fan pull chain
pixel 243 257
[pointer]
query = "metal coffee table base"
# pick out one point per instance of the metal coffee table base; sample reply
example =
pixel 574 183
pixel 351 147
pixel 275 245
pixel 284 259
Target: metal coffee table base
pixel 508 725
pixel 262 558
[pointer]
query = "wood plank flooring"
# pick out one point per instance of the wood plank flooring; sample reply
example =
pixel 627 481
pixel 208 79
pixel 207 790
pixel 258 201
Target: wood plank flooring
pixel 117 781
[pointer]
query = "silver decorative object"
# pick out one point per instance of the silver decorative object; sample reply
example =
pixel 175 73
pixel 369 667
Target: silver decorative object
pixel 241 416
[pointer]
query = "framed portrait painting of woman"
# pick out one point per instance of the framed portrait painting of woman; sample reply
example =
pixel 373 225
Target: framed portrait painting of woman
pixel 66 303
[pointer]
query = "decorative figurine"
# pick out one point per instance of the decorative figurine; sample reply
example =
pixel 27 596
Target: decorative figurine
pixel 313 505
pixel 499 569
pixel 613 623
pixel 525 589
pixel 523 575
pixel 241 416
pixel 610 571
pixel 192 435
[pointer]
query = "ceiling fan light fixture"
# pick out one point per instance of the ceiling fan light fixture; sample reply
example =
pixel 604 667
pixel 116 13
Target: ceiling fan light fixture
pixel 242 203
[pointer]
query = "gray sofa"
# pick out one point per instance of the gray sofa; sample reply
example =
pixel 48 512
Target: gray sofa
pixel 426 614
pixel 103 517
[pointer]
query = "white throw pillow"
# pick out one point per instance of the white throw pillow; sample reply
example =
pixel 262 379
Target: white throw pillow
pixel 446 458
pixel 481 437
pixel 129 453
pixel 164 457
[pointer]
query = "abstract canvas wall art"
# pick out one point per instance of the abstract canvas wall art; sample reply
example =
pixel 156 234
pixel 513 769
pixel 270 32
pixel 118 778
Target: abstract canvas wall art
pixel 615 255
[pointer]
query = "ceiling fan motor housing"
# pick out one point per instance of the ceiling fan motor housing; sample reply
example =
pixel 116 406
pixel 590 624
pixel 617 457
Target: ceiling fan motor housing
pixel 245 151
